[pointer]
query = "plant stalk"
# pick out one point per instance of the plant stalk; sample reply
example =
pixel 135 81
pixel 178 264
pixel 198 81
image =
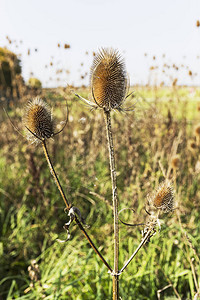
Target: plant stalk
pixel 68 205
pixel 54 174
pixel 115 205
pixel 151 228
pixel 136 251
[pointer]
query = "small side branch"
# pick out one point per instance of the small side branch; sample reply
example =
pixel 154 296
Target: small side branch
pixel 146 237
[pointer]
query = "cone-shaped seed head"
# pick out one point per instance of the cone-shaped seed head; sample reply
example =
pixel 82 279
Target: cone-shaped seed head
pixel 38 119
pixel 108 79
pixel 163 197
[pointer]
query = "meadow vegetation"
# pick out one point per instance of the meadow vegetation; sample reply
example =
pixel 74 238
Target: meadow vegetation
pixel 161 135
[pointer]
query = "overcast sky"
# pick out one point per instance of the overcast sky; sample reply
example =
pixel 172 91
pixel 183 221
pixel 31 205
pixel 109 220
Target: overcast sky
pixel 154 27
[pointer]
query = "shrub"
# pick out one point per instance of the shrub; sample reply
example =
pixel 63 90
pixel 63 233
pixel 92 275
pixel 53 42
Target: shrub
pixel 9 68
pixel 34 83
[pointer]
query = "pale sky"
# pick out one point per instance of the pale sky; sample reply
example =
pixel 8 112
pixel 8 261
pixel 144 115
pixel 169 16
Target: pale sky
pixel 154 27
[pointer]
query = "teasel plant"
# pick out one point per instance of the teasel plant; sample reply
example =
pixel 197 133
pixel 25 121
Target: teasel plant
pixel 109 87
pixel 40 126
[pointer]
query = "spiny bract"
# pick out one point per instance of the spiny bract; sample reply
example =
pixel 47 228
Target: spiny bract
pixel 109 80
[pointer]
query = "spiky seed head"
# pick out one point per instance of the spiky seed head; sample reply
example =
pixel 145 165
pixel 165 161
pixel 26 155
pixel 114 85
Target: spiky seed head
pixel 163 198
pixel 38 119
pixel 109 80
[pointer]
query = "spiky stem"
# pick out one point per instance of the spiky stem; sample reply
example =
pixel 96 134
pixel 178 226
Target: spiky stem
pixel 115 205
pixel 68 206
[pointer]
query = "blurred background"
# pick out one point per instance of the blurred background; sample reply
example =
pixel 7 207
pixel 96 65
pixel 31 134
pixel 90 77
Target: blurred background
pixel 55 41
pixel 46 50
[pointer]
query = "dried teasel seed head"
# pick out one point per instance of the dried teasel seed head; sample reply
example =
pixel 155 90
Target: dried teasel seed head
pixel 192 145
pixel 197 130
pixel 109 80
pixel 175 161
pixel 163 198
pixel 38 119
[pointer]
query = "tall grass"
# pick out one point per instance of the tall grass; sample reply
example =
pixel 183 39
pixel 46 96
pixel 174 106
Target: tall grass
pixel 31 211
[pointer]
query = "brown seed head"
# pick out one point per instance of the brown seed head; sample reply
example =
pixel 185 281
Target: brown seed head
pixel 67 46
pixel 175 161
pixel 38 119
pixel 109 79
pixel 174 82
pixel 197 23
pixel 163 197
pixel 192 145
pixel 197 130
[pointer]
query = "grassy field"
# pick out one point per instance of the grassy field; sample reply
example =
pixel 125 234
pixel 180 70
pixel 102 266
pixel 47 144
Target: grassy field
pixel 160 135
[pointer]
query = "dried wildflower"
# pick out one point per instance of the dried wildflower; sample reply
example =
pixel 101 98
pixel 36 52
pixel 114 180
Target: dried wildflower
pixel 67 46
pixel 197 130
pixel 192 145
pixel 108 79
pixel 174 83
pixel 34 271
pixel 175 161
pixel 38 121
pixel 163 198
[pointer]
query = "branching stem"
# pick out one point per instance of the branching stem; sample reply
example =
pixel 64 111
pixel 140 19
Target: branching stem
pixel 136 251
pixel 68 206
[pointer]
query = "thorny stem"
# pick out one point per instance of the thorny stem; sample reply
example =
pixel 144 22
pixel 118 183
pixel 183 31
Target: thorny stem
pixel 115 205
pixel 68 206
